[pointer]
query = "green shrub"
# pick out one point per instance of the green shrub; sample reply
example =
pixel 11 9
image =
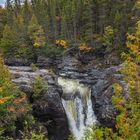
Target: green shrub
pixel 33 67
pixel 24 52
pixel 33 135
pixel 71 137
pixel 52 51
pixel 93 133
pixel 38 86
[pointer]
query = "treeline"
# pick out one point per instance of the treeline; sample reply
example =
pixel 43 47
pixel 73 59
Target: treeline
pixel 39 23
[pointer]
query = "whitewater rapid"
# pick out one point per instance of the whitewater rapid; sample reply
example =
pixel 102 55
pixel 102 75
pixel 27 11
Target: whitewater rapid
pixel 78 106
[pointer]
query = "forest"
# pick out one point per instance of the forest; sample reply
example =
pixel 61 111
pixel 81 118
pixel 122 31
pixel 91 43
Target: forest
pixel 52 44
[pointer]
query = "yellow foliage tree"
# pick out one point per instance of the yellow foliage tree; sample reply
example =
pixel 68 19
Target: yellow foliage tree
pixel 36 33
pixel 62 43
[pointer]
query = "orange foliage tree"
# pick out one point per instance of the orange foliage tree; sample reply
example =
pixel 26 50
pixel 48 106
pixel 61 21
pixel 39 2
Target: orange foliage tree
pixel 84 48
pixel 128 124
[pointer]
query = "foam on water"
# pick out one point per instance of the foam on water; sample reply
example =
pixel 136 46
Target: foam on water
pixel 78 106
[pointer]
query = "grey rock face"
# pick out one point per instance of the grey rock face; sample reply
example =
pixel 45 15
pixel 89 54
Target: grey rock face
pixel 102 93
pixel 11 61
pixel 48 107
pixel 73 69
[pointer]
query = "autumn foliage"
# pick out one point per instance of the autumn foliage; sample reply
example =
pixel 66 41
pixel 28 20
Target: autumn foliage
pixel 84 48
pixel 127 122
pixel 62 43
pixel 13 103
pixel 128 106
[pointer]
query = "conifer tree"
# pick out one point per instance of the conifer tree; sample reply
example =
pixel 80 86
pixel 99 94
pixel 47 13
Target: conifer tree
pixel 9 42
pixel 19 28
pixel 108 37
pixel 39 38
pixel 2 20
pixel 87 26
pixel 33 28
pixel 26 12
pixel 36 32
pixel 10 13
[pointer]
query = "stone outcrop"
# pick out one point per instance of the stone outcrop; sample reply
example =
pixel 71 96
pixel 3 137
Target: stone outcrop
pixel 12 61
pixel 48 108
pixel 102 93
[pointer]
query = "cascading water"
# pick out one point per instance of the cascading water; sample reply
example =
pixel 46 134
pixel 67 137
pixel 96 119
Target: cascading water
pixel 78 106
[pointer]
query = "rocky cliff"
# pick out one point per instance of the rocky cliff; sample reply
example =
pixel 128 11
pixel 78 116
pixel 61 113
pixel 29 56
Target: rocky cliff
pixel 49 109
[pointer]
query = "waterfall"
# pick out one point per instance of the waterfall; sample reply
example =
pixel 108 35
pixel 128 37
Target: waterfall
pixel 78 106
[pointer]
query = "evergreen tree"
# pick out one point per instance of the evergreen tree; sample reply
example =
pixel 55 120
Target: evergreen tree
pixel 17 7
pixel 33 29
pixel 9 9
pixel 87 26
pixel 26 12
pixel 39 38
pixel 2 20
pixel 19 28
pixel 9 42
pixel 108 37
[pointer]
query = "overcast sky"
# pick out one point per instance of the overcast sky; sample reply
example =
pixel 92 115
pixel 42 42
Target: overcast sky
pixel 2 1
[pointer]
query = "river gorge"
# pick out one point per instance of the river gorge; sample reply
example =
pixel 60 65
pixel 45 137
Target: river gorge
pixel 79 95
